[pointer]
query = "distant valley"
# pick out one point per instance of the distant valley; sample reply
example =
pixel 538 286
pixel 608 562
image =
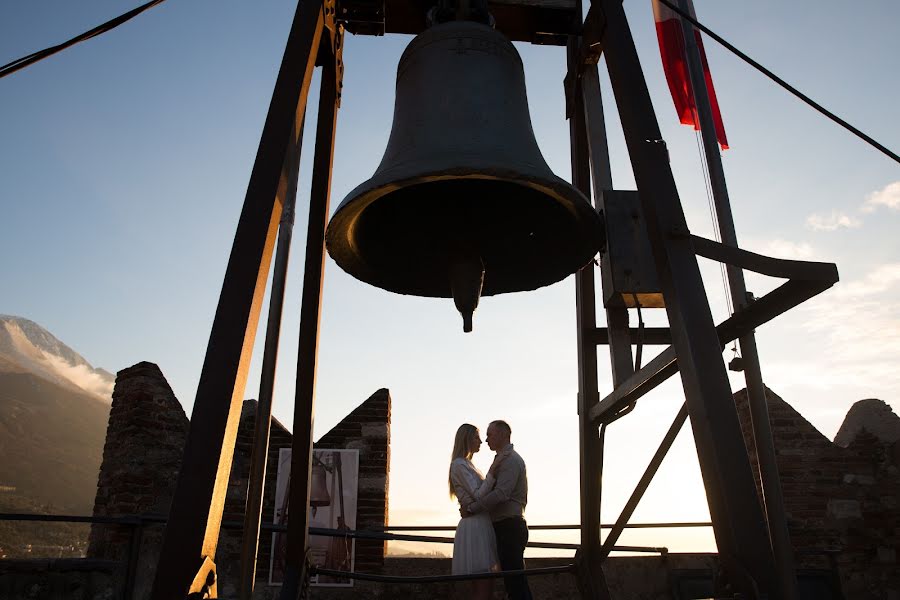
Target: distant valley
pixel 54 408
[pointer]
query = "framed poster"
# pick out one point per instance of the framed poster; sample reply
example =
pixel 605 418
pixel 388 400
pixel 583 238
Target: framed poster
pixel 332 505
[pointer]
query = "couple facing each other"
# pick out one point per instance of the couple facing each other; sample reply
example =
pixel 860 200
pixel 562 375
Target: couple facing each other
pixel 492 532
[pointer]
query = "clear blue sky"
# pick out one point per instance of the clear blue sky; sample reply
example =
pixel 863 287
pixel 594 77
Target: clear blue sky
pixel 124 162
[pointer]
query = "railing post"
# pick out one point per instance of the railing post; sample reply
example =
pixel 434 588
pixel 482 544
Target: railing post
pixel 134 554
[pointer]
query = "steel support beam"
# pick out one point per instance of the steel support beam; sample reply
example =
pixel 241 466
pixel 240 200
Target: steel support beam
pixel 591 581
pixel 191 536
pixel 655 372
pixel 260 452
pixel 739 524
pixel 807 280
pixel 296 562
pixel 650 336
pixel 772 500
pixel 620 356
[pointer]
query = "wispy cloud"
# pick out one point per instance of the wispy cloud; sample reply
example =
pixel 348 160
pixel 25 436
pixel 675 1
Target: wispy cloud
pixel 81 375
pixel 888 197
pixel 832 221
pixel 779 248
pixel 859 321
pixel 882 278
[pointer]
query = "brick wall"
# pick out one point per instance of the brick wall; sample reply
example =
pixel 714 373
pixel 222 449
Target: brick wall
pixel 628 578
pixel 142 456
pixel 228 551
pixel 366 429
pixel 143 450
pixel 840 499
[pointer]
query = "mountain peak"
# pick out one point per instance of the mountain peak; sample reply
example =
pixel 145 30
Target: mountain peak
pixel 26 346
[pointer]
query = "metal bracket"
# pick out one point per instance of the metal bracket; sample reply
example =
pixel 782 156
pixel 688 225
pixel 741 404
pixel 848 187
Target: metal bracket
pixel 331 47
pixel 592 37
pixel 361 17
pixel 589 50
pixel 338 50
pixel 329 13
pixel 204 583
pixel 804 280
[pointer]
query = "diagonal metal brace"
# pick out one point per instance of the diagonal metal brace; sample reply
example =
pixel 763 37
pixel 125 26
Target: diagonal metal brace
pixel 805 280
pixel 204 583
pixel 644 483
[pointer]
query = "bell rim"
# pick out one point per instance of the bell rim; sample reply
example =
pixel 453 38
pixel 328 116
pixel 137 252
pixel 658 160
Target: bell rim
pixel 343 250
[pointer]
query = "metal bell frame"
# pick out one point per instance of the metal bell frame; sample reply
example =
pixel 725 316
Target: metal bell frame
pixel 186 567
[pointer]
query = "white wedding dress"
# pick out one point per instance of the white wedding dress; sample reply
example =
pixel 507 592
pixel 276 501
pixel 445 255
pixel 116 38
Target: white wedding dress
pixel 474 547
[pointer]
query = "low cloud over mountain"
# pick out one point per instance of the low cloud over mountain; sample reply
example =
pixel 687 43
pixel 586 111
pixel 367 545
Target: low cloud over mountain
pixel 54 407
pixel 25 346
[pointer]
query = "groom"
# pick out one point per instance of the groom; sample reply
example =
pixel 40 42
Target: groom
pixel 506 505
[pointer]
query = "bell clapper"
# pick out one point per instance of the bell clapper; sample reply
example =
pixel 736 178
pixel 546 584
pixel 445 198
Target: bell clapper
pixel 466 272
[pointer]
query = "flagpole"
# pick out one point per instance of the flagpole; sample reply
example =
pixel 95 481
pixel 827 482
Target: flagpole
pixel 773 501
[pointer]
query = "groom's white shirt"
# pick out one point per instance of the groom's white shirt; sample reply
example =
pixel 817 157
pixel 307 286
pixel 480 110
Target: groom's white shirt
pixel 510 493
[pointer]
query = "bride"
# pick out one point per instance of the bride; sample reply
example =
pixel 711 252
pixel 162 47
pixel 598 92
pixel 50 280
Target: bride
pixel 474 547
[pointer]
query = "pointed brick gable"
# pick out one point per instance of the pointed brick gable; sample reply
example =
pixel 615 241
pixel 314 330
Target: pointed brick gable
pixel 368 429
pixel 141 459
pixel 841 502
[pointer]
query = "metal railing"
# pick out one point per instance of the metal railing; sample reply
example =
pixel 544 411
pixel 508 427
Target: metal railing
pixel 137 523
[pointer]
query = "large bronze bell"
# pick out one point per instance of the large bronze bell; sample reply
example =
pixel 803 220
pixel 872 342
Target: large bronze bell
pixel 463 203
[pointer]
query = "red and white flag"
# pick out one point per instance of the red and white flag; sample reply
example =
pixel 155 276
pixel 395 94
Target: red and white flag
pixel 674 59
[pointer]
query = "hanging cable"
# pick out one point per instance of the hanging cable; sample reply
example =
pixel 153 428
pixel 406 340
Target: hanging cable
pixel 812 103
pixel 715 222
pixel 21 63
pixel 723 271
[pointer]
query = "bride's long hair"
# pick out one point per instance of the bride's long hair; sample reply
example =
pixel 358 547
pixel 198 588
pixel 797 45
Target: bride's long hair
pixel 462 448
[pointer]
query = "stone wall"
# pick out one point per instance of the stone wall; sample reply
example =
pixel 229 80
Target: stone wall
pixel 142 456
pixel 228 551
pixel 366 429
pixel 60 579
pixel 628 578
pixel 841 502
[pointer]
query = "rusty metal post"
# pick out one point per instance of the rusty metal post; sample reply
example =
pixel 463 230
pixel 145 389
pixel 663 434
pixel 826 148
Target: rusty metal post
pixel 772 498
pixel 304 403
pixel 134 554
pixel 192 533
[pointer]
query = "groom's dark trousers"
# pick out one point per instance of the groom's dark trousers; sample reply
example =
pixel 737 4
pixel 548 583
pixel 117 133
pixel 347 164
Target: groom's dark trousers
pixel 512 535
